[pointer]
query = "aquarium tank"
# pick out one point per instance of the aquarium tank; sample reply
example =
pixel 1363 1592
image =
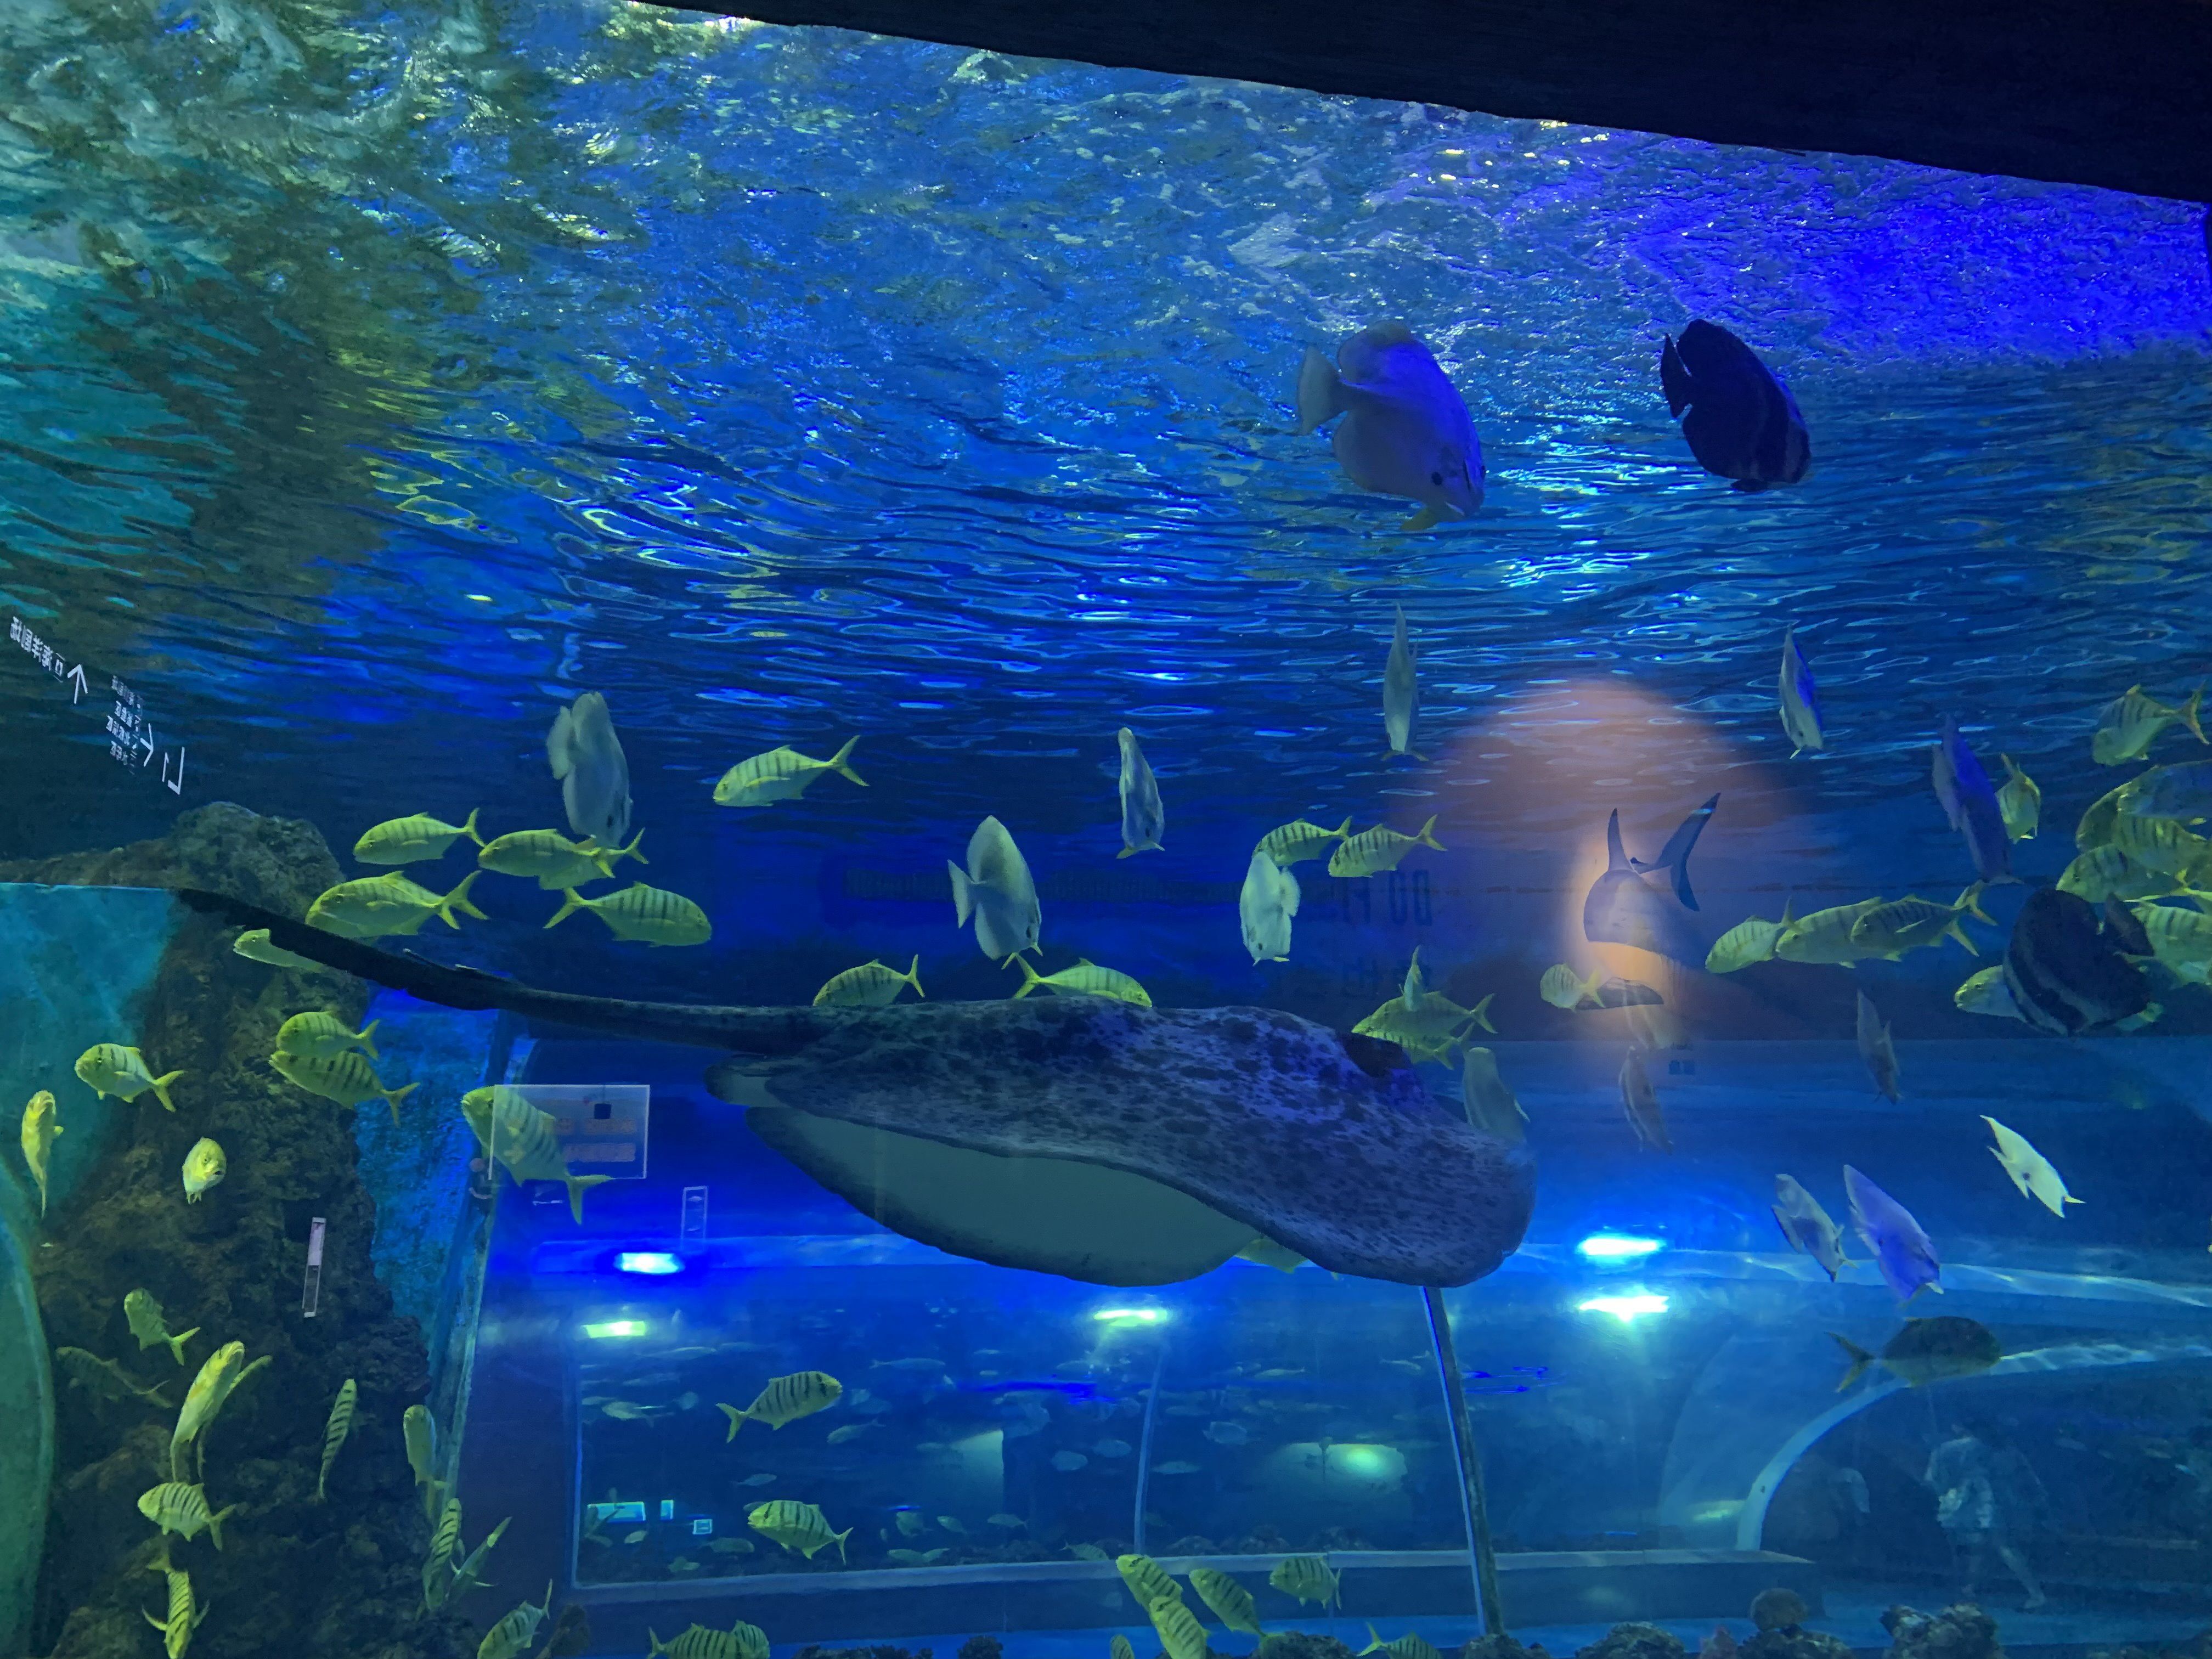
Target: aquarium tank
pixel 820 845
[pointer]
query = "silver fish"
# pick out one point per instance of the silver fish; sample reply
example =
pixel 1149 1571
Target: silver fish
pixel 997 890
pixel 1800 700
pixel 1403 428
pixel 1807 1226
pixel 1874 1048
pixel 594 775
pixel 1401 691
pixel 1265 907
pixel 1142 817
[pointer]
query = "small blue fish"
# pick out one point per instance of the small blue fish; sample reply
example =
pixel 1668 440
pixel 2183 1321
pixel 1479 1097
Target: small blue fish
pixel 1900 1249
pixel 1405 429
pixel 1800 700
pixel 1743 424
pixel 1969 800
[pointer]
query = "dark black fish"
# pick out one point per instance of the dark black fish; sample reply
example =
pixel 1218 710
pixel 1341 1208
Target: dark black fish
pixel 2127 934
pixel 2065 974
pixel 1743 424
pixel 1623 908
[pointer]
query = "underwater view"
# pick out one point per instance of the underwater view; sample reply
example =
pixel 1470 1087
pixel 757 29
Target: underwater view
pixel 820 848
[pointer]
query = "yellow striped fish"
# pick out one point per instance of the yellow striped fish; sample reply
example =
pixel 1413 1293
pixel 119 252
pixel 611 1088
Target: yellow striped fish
pixel 2165 844
pixel 1181 1634
pixel 779 774
pixel 255 946
pixel 1231 1602
pixel 1411 1645
pixel 1119 1648
pixel 178 1506
pixel 642 915
pixel 222 1372
pixel 41 1125
pixel 469 1574
pixel 516 1631
pixel 111 1068
pixel 871 985
pixel 376 906
pixel 413 838
pixel 335 1428
pixel 150 1325
pixel 1309 1577
pixel 2020 803
pixel 320 1034
pixel 345 1078
pixel 182 1620
pixel 526 1141
pixel 786 1399
pixel 420 1431
pixel 741 1641
pixel 1086 978
pixel 1147 1579
pixel 1372 851
pixel 553 860
pixel 796 1526
pixel 1295 842
pixel 205 1165
pixel 438 1568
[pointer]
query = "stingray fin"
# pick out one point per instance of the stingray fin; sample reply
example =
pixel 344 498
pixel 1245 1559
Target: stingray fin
pixel 1615 857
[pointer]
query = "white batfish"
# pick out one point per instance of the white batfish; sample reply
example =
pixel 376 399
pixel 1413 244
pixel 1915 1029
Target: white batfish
pixel 996 890
pixel 1404 429
pixel 1266 906
pixel 587 759
pixel 1142 816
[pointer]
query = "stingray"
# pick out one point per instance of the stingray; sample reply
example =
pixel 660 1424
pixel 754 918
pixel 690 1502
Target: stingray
pixel 1076 1135
pixel 1622 908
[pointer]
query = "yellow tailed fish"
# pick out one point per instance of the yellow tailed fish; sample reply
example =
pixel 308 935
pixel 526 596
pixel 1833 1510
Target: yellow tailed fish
pixel 797 1527
pixel 1890 930
pixel 1986 993
pixel 335 1428
pixel 42 1123
pixel 1119 1648
pixel 1295 842
pixel 2105 871
pixel 419 1430
pixel 103 1377
pixel 1373 851
pixel 2165 844
pixel 224 1370
pixel 786 1399
pixel 2030 1170
pixel 110 1068
pixel 1231 1602
pixel 1825 935
pixel 1086 978
pixel 871 985
pixel 1147 1580
pixel 2020 803
pixel 150 1326
pixel 412 839
pixel 1309 1577
pixel 376 906
pixel 525 1141
pixel 178 1507
pixel 344 1078
pixel 553 860
pixel 1180 1634
pixel 438 1568
pixel 2130 723
pixel 205 1165
pixel 516 1629
pixel 469 1575
pixel 1411 1645
pixel 1753 940
pixel 779 774
pixel 253 944
pixel 182 1620
pixel 319 1035
pixel 642 915
pixel 2180 939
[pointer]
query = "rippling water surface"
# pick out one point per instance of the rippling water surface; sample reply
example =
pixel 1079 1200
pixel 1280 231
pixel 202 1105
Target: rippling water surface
pixel 376 377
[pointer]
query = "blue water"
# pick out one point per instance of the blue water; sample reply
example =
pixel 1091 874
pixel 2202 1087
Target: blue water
pixel 372 391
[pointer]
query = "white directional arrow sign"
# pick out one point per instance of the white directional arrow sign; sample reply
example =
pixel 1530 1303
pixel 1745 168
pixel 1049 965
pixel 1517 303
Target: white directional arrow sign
pixel 76 683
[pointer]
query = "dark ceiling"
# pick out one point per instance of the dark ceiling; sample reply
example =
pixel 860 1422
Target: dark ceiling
pixel 2116 93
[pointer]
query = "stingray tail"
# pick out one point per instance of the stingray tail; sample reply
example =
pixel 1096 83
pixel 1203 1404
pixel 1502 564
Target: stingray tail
pixel 1675 855
pixel 1615 857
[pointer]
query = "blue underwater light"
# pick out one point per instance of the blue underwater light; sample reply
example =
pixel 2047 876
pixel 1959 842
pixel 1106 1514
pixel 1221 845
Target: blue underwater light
pixel 1618 1247
pixel 653 1262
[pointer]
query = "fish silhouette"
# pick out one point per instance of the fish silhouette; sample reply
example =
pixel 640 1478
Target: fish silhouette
pixel 1742 422
pixel 1622 908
